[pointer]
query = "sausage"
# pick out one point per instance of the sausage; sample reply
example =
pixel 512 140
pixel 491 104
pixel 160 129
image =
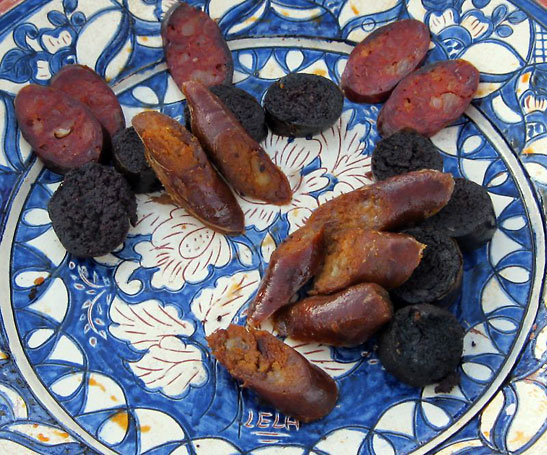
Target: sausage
pixel 275 371
pixel 195 48
pixel 291 266
pixel 61 130
pixel 393 203
pixel 357 255
pixel 182 166
pixel 85 85
pixel 430 98
pixel 347 318
pixel 237 156
pixel 382 59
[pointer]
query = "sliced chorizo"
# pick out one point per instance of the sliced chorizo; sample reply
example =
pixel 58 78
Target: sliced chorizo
pixel 275 371
pixel 357 255
pixel 85 85
pixel 347 318
pixel 62 131
pixel 194 47
pixel 182 166
pixel 382 59
pixel 430 99
pixel 238 157
pixel 291 266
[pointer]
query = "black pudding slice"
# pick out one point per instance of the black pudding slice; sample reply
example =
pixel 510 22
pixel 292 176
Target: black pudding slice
pixel 302 104
pixel 402 152
pixel 91 210
pixel 438 278
pixel 128 157
pixel 422 345
pixel 468 217
pixel 243 105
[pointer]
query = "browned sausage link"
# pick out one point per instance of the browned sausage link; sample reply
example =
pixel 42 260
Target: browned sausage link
pixel 60 129
pixel 182 166
pixel 85 85
pixel 291 266
pixel 246 166
pixel 383 58
pixel 357 255
pixel 275 371
pixel 347 318
pixel 399 201
pixel 430 98
pixel 195 48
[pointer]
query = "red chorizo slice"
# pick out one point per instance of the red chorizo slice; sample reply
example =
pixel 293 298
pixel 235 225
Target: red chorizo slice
pixel 430 98
pixel 357 255
pixel 275 371
pixel 182 166
pixel 347 318
pixel 195 49
pixel 382 59
pixel 60 129
pixel 237 156
pixel 291 266
pixel 398 201
pixel 82 83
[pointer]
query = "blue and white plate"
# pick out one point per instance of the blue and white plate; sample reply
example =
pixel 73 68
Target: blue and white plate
pixel 109 355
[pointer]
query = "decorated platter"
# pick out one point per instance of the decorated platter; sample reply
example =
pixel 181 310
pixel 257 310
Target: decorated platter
pixel 108 355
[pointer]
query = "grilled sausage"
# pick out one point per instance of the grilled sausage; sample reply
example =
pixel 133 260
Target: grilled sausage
pixel 347 318
pixel 61 130
pixel 236 155
pixel 275 371
pixel 182 166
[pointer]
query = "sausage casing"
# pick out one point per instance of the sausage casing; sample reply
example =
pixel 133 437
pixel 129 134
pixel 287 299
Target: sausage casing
pixel 275 371
pixel 237 156
pixel 347 318
pixel 430 99
pixel 357 255
pixel 62 131
pixel 291 266
pixel 182 166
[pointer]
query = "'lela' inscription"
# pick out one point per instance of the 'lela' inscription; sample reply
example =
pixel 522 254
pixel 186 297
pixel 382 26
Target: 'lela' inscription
pixel 268 420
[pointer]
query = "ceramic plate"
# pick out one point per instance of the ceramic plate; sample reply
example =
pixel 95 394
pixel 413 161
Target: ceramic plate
pixel 114 348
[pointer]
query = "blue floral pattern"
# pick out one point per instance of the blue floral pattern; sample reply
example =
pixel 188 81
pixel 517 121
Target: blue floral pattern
pixel 118 342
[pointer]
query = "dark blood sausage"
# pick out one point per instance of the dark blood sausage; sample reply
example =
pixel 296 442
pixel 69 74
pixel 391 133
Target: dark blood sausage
pixel 237 156
pixel 85 85
pixel 347 318
pixel 468 217
pixel 438 277
pixel 194 47
pixel 90 212
pixel 302 104
pixel 382 59
pixel 182 166
pixel 291 266
pixel 128 158
pixel 60 130
pixel 402 152
pixel 275 371
pixel 357 255
pixel 423 344
pixel 396 202
pixel 243 105
pixel 430 98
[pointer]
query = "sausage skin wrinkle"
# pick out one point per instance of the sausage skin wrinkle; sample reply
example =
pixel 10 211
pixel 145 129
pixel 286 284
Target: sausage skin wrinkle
pixel 430 99
pixel 182 166
pixel 238 157
pixel 382 59
pixel 275 371
pixel 291 266
pixel 62 131
pixel 347 318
